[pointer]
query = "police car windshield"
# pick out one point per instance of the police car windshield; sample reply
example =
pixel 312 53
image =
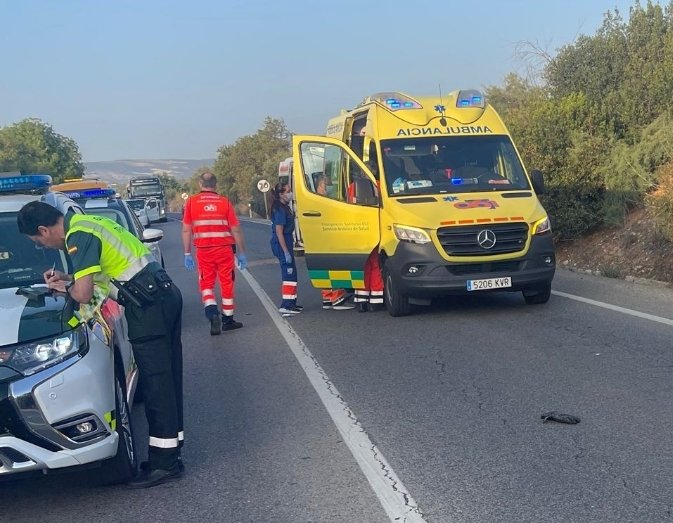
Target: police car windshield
pixel 445 164
pixel 22 262
pixel 113 214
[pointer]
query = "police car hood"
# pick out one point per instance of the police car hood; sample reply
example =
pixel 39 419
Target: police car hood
pixel 27 318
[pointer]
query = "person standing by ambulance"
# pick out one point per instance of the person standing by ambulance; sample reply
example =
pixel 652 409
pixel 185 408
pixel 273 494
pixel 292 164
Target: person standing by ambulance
pixel 210 222
pixel 282 230
pixel 332 299
pixel 108 259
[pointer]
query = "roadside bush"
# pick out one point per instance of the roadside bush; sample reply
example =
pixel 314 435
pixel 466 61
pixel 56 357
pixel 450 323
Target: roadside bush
pixel 660 202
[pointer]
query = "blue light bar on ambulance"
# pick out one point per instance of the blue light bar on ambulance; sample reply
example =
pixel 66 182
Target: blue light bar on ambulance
pixel 395 100
pixel 24 183
pixel 470 98
pixel 90 193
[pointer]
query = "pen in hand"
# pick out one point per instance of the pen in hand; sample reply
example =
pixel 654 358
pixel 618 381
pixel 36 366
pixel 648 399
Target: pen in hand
pixel 51 274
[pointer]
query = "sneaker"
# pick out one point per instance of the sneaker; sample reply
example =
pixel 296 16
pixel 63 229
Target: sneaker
pixel 288 312
pixel 327 305
pixel 215 326
pixel 298 308
pixel 339 300
pixel 342 307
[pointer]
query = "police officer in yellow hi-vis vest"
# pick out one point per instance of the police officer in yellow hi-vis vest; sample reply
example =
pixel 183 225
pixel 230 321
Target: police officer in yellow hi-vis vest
pixel 106 256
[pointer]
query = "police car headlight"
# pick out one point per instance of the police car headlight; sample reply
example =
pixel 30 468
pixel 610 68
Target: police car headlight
pixel 30 358
pixel 542 226
pixel 411 234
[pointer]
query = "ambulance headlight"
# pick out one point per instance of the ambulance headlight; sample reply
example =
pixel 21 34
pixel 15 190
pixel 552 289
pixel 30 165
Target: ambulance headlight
pixel 411 234
pixel 542 226
pixel 29 358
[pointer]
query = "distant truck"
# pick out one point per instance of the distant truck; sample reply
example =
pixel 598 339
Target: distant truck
pixel 149 187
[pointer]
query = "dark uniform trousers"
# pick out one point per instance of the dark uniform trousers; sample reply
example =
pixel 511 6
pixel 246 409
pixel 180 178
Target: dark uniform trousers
pixel 155 334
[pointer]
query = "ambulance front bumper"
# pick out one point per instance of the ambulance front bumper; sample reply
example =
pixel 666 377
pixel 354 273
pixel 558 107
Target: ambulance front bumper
pixel 420 271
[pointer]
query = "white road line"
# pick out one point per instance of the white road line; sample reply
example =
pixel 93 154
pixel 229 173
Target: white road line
pixel 616 308
pixel 392 494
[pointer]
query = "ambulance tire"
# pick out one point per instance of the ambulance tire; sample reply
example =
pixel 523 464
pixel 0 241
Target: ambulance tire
pixel 538 296
pixel 396 302
pixel 124 464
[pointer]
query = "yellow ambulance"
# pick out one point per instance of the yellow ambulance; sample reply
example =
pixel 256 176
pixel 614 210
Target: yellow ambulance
pixel 436 187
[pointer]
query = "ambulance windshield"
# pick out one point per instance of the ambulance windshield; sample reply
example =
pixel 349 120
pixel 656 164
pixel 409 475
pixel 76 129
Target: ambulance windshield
pixel 445 164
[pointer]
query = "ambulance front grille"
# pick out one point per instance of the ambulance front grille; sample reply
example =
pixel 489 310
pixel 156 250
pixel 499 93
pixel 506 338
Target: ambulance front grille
pixel 463 240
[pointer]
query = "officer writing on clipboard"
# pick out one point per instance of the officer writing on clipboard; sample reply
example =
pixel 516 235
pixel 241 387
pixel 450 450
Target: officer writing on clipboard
pixel 105 255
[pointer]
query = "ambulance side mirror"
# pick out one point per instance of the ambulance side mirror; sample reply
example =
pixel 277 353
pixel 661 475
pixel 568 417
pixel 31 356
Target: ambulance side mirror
pixel 538 181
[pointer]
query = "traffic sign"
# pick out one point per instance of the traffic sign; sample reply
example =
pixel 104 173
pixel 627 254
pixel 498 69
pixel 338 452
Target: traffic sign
pixel 263 185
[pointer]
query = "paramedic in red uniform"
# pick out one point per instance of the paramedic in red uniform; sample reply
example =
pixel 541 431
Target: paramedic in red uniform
pixel 371 297
pixel 210 221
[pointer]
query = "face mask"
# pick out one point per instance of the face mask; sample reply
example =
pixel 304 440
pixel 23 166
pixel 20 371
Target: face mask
pixel 287 197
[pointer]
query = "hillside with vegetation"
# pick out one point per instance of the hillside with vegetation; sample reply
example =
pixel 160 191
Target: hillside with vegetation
pixel 598 121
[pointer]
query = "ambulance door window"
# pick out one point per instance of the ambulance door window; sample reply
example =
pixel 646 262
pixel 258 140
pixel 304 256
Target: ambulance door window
pixel 324 167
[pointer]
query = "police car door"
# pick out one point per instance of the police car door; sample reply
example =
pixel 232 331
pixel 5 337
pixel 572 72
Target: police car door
pixel 338 211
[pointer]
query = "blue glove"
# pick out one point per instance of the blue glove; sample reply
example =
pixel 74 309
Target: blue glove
pixel 242 261
pixel 288 258
pixel 189 262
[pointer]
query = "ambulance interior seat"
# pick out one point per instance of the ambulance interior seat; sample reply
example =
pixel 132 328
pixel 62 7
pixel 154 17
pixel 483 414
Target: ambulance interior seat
pixel 365 193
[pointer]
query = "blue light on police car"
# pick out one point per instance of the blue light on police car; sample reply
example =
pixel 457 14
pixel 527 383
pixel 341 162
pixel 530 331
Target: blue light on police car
pixel 25 182
pixel 408 104
pixel 90 193
pixel 476 100
pixel 391 101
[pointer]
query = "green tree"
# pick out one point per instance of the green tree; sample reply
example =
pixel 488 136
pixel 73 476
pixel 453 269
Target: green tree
pixel 239 166
pixel 33 146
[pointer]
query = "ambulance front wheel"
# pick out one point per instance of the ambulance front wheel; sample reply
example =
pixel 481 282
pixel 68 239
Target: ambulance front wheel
pixel 538 296
pixel 396 302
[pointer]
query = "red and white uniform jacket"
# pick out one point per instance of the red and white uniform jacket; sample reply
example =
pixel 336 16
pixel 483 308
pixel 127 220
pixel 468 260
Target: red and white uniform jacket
pixel 211 216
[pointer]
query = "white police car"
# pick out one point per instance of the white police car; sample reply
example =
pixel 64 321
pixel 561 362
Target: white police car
pixel 64 392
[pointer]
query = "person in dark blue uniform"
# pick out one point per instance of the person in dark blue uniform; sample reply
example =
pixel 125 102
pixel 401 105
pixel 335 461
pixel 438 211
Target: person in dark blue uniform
pixel 282 230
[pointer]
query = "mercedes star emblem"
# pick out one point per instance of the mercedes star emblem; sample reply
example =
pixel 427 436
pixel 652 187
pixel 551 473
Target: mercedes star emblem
pixel 486 239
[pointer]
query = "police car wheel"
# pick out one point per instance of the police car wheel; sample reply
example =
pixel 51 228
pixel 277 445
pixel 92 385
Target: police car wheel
pixel 396 302
pixel 124 464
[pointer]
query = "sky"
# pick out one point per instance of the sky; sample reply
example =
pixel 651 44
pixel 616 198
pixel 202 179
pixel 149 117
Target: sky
pixel 158 79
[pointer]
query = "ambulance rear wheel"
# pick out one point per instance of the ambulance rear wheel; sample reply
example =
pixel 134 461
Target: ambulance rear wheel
pixel 396 302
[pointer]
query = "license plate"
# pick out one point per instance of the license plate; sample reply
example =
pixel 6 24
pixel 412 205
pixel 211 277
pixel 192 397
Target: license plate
pixel 489 283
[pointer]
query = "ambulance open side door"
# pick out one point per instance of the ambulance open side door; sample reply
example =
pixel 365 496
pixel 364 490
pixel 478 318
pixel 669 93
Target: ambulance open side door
pixel 338 211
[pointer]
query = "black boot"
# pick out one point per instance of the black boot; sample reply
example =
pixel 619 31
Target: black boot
pixel 362 306
pixel 229 324
pixel 215 326
pixel 213 316
pixel 376 307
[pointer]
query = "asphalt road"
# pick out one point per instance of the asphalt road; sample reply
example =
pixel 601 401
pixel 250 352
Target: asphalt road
pixel 337 416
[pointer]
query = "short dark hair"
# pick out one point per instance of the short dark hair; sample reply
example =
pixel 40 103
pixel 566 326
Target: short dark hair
pixel 208 180
pixel 37 214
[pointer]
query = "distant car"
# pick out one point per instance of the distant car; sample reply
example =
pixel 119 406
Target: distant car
pixel 147 209
pixel 65 391
pixel 116 209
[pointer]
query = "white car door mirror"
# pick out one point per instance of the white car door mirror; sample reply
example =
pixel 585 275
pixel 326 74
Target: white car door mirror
pixel 152 235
